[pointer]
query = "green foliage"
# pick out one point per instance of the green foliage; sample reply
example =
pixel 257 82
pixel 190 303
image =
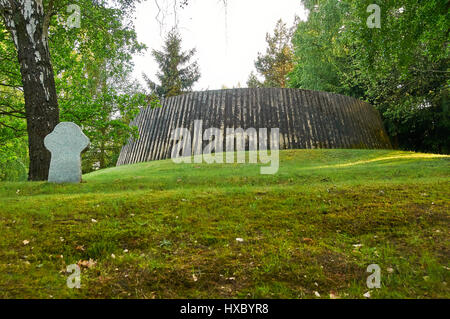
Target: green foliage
pixel 321 60
pixel 13 153
pixel 404 70
pixel 92 66
pixel 275 65
pixel 13 142
pixel 173 77
pixel 13 147
pixel 400 68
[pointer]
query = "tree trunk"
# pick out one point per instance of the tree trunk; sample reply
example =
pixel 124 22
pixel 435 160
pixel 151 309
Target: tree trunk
pixel 28 26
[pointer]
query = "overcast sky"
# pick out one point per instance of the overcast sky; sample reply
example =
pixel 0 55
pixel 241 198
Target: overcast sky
pixel 226 47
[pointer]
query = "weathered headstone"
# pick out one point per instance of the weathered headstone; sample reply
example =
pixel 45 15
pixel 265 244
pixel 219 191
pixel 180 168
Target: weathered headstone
pixel 66 142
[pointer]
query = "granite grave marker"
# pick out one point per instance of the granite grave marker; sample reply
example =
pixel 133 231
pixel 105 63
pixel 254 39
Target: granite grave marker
pixel 66 142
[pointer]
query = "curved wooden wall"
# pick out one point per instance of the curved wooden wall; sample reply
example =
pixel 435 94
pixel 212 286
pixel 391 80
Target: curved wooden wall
pixel 306 119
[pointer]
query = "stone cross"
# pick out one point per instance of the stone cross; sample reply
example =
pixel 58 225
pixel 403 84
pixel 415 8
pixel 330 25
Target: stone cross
pixel 66 142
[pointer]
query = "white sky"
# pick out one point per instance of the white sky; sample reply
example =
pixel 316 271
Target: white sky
pixel 225 55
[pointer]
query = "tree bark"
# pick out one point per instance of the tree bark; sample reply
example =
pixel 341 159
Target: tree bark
pixel 25 19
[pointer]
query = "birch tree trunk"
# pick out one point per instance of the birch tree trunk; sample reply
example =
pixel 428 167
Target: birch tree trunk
pixel 28 24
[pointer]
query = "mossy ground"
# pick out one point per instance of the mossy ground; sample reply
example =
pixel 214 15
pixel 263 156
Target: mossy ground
pixel 313 227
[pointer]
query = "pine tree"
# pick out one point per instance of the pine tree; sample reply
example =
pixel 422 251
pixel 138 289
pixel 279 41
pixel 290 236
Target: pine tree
pixel 173 77
pixel 275 65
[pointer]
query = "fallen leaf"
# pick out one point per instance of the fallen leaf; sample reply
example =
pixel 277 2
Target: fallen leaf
pixel 87 263
pixel 333 295
pixel 26 242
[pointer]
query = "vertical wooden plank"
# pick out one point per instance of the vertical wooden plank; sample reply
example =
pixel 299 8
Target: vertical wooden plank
pixel 161 129
pixel 180 101
pixel 149 117
pixel 286 119
pixel 309 118
pixel 142 135
pixel 157 131
pixel 301 125
pixel 317 112
pixel 197 116
pixel 348 125
pixel 325 120
pixel 328 121
pixel 175 125
pixel 339 136
pixel 370 121
pixel 298 122
pixel 291 118
pixel 136 142
pixel 145 141
pixel 189 116
pixel 152 131
pixel 351 115
pixel 168 128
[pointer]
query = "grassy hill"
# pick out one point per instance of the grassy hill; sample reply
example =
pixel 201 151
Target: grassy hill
pixel 162 230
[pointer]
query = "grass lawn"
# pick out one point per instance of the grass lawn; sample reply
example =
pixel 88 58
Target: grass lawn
pixel 165 230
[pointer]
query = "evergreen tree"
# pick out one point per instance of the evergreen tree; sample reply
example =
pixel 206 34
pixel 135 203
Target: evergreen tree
pixel 253 81
pixel 275 65
pixel 176 75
